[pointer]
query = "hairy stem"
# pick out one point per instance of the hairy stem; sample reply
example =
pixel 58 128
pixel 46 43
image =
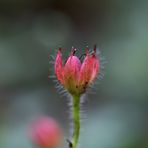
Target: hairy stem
pixel 76 120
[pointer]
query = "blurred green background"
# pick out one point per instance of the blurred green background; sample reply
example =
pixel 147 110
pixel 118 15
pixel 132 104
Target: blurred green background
pixel 117 114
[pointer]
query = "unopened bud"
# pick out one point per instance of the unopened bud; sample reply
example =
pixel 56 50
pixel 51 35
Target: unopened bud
pixel 46 133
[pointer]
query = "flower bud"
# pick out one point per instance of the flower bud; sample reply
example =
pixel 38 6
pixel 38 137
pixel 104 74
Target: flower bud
pixel 74 75
pixel 46 133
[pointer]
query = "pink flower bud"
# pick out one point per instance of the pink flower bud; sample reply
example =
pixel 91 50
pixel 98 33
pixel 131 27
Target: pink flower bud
pixel 74 76
pixel 46 133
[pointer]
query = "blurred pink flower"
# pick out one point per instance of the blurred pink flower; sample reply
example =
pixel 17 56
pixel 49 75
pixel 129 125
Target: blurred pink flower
pixel 46 133
pixel 74 75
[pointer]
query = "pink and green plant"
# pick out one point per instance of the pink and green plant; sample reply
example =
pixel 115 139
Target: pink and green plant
pixel 76 77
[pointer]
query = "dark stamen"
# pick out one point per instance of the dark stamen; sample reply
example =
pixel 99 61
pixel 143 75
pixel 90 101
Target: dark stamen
pixel 59 48
pixel 95 48
pixel 73 50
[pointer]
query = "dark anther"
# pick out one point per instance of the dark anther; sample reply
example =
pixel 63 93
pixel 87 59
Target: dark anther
pixel 95 48
pixel 74 50
pixel 60 49
pixel 69 143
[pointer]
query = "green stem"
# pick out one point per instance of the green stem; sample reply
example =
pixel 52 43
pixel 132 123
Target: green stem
pixel 76 120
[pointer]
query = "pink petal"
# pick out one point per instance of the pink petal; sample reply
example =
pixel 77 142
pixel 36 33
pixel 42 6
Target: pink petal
pixel 71 70
pixel 59 66
pixel 89 69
